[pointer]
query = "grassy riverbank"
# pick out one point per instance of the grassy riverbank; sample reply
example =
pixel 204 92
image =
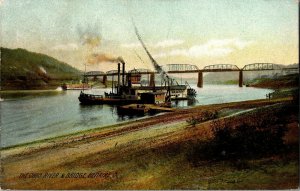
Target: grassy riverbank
pixel 158 153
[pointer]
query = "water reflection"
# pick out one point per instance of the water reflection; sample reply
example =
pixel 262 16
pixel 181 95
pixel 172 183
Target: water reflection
pixel 84 108
pixel 124 115
pixel 86 117
pixel 185 103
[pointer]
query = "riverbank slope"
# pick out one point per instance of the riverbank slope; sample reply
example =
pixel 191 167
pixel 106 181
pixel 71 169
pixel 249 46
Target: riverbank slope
pixel 155 153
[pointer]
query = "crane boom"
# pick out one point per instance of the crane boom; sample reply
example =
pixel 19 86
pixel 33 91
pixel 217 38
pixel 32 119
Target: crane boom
pixel 157 67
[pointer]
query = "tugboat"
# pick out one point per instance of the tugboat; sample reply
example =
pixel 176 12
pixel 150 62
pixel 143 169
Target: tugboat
pixel 113 99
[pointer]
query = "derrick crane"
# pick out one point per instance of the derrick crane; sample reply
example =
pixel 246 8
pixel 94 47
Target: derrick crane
pixel 157 67
pixel 169 81
pixel 153 61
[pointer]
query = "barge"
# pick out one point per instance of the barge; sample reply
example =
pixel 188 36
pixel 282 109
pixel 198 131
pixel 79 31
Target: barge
pixel 112 99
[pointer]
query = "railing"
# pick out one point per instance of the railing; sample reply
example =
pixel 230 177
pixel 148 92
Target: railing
pixel 221 67
pixel 180 67
pixel 262 66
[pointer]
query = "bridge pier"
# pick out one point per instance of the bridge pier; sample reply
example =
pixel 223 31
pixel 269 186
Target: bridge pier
pixel 104 80
pixel 94 78
pixel 200 79
pixel 85 79
pixel 241 78
pixel 152 80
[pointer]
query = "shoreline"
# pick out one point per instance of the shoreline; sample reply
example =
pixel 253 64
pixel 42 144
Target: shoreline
pixel 116 147
pixel 41 136
pixel 115 126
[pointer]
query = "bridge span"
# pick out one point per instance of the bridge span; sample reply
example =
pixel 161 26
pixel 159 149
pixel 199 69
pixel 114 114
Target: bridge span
pixel 187 68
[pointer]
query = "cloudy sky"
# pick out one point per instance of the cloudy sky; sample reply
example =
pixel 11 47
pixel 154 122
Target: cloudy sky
pixel 200 32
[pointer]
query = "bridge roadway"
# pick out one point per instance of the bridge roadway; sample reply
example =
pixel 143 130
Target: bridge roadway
pixel 187 71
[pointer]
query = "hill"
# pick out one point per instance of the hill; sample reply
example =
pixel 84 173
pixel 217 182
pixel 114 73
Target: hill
pixel 221 78
pixel 21 69
pixel 287 81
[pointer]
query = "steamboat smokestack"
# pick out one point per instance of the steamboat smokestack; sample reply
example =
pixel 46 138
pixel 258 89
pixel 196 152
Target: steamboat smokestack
pixel 118 90
pixel 123 73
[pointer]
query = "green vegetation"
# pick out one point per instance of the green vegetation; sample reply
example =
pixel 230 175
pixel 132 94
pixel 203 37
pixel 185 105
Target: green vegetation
pixel 258 134
pixel 231 82
pixel 290 92
pixel 284 86
pixel 227 78
pixel 21 69
pixel 252 154
pixel 227 82
pixel 287 81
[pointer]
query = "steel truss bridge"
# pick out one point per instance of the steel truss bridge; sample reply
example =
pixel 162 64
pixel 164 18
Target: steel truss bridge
pixel 188 68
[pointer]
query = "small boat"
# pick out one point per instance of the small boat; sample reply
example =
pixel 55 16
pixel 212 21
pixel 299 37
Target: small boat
pixel 133 109
pixel 82 86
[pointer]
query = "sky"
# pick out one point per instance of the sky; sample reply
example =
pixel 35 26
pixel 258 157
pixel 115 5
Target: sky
pixel 199 32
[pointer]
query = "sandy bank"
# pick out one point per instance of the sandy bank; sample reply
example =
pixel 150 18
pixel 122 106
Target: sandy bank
pixel 62 154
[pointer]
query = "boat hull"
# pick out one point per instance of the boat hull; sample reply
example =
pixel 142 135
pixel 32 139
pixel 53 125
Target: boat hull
pixel 89 99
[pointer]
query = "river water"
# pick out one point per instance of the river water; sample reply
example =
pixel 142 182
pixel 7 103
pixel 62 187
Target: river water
pixel 34 115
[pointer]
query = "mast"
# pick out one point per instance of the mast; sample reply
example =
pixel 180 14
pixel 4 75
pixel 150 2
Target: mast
pixel 118 87
pixel 84 77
